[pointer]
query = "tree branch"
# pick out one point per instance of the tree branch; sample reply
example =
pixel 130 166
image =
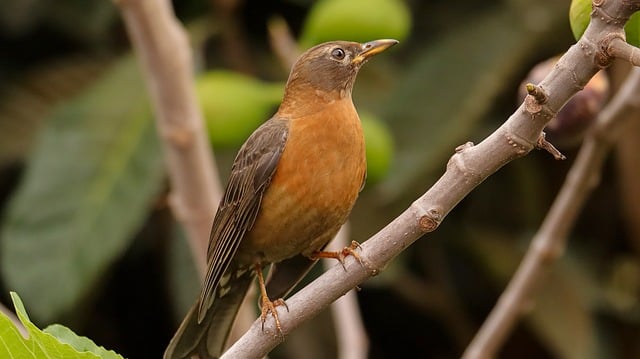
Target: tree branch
pixel 467 168
pixel 619 49
pixel 550 241
pixel 166 60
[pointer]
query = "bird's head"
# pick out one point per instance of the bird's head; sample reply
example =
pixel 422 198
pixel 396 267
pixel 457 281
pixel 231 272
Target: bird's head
pixel 331 68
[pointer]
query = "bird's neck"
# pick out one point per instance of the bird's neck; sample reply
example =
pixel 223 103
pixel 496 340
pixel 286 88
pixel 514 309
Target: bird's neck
pixel 300 102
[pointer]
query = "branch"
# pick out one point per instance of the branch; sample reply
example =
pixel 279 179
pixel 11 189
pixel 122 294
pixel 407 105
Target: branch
pixel 166 60
pixel 467 168
pixel 620 49
pixel 282 41
pixel 550 241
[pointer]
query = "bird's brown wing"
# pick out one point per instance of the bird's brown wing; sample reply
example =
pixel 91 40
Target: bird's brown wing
pixel 251 174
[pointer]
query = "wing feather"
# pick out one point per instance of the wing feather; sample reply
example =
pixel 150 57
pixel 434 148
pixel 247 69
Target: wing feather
pixel 251 174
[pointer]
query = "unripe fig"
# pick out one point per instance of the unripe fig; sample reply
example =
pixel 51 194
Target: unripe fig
pixel 234 105
pixel 356 20
pixel 380 147
pixel 580 15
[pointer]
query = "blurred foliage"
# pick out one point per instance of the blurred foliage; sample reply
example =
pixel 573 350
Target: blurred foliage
pixel 97 167
pixel 86 237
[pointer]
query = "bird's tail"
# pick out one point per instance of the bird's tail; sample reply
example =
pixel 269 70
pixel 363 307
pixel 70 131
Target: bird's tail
pixel 207 338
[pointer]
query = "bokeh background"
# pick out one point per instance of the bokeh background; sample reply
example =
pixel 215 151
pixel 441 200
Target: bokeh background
pixel 87 238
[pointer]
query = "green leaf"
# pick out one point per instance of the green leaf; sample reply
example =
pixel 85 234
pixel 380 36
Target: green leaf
pixel 85 192
pixel 81 344
pixel 40 344
pixel 28 100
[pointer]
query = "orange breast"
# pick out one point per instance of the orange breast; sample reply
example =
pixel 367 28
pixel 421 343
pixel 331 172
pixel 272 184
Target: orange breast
pixel 314 187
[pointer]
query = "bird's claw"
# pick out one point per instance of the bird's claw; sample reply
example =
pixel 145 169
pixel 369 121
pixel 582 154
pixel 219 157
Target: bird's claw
pixel 267 306
pixel 341 254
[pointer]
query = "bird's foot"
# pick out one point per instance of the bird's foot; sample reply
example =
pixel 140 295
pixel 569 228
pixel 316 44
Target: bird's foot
pixel 340 255
pixel 268 306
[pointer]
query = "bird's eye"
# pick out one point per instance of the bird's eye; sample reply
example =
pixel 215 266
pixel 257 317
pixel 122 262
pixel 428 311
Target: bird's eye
pixel 337 53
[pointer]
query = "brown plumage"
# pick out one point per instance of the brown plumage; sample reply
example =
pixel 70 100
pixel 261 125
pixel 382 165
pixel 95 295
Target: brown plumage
pixel 292 186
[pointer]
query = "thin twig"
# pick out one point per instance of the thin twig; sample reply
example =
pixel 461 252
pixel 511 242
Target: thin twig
pixel 351 335
pixel 282 41
pixel 549 243
pixel 166 60
pixel 467 168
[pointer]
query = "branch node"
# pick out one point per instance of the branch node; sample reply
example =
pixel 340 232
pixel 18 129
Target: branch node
pixel 616 47
pixel 179 136
pixel 534 104
pixel 430 220
pixel 538 93
pixel 543 144
pixel 464 146
pixel 603 57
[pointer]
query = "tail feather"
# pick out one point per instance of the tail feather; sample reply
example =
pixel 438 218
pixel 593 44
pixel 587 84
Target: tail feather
pixel 207 338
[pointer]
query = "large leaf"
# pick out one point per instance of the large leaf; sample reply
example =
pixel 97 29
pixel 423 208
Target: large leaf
pixel 28 100
pixel 79 343
pixel 85 192
pixel 43 344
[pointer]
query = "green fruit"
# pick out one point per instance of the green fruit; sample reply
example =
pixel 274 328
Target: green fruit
pixel 380 147
pixel 234 105
pixel 356 20
pixel 580 15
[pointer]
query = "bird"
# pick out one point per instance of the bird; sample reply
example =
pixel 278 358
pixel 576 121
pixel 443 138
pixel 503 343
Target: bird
pixel 292 186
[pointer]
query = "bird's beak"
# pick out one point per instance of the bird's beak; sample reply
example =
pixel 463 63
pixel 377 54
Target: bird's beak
pixel 372 48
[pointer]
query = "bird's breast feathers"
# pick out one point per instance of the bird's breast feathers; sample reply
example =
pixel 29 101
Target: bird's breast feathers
pixel 314 186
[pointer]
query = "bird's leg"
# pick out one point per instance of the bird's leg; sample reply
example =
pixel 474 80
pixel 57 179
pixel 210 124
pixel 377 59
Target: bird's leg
pixel 340 255
pixel 267 305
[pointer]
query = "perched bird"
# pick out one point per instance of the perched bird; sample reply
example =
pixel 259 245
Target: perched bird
pixel 292 186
